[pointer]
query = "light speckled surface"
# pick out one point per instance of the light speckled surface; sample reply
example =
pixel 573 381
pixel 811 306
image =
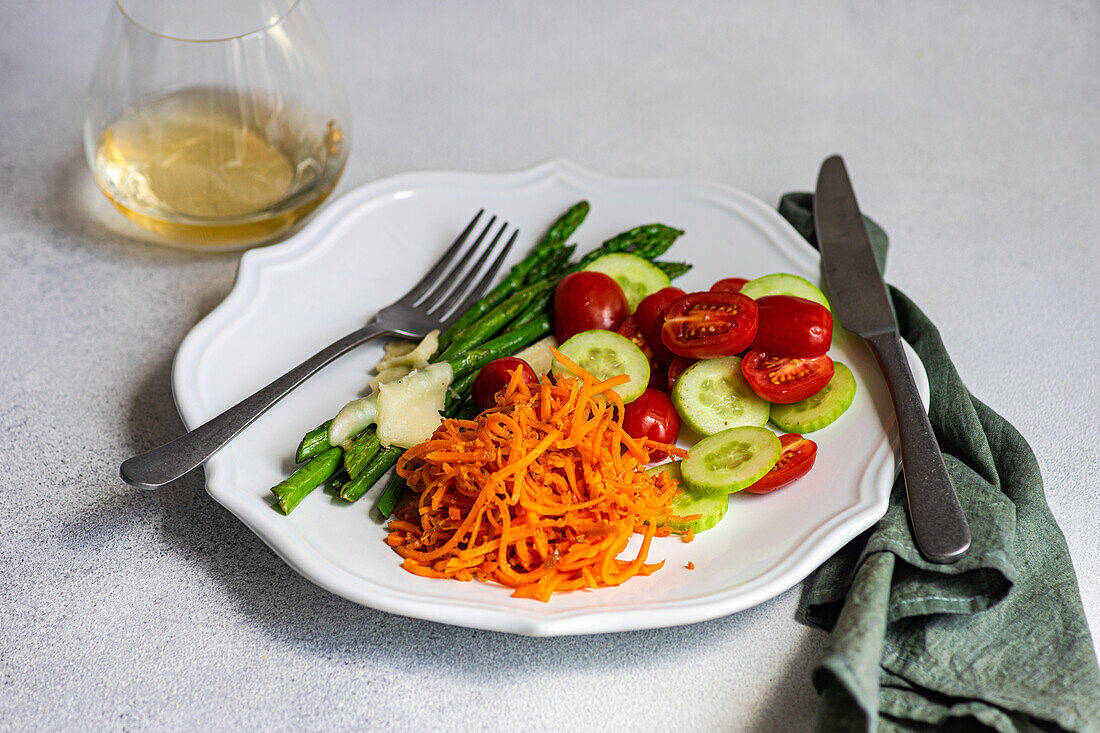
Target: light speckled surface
pixel 971 135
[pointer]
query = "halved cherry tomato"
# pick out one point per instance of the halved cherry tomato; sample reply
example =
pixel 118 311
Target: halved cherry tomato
pixel 791 326
pixel 676 367
pixel 795 461
pixel 705 325
pixel 629 328
pixel 495 376
pixel 729 285
pixel 650 316
pixel 586 300
pixel 652 416
pixel 785 379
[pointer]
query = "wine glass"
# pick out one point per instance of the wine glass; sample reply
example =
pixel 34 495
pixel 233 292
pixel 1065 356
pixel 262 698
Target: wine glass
pixel 216 124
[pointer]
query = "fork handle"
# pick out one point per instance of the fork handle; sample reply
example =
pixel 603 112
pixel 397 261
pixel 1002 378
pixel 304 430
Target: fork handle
pixel 167 463
pixel 935 515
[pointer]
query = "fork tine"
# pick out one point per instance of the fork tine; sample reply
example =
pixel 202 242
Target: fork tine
pixel 479 290
pixel 445 280
pixel 462 284
pixel 433 275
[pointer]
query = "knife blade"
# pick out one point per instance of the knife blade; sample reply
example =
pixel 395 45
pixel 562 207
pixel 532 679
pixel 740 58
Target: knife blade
pixel 858 295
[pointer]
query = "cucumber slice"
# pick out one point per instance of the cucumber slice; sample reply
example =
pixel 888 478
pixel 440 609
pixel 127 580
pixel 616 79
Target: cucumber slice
pixel 712 395
pixel 672 468
pixel 710 507
pixel 606 354
pixel 782 283
pixel 814 413
pixel 731 460
pixel 637 277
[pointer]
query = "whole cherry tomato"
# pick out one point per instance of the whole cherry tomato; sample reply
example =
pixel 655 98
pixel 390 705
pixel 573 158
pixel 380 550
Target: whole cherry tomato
pixel 791 326
pixel 650 316
pixel 586 300
pixel 728 285
pixel 785 379
pixel 705 325
pixel 495 376
pixel 795 461
pixel 676 367
pixel 652 416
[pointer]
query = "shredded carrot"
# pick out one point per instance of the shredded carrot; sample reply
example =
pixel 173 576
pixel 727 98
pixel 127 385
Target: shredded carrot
pixel 541 493
pixel 690 565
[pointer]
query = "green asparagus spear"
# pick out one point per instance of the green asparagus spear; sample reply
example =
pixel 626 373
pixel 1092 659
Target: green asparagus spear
pixel 314 442
pixel 673 269
pixel 297 486
pixel 382 462
pixel 566 224
pixel 504 345
pixel 537 307
pixel 657 245
pixel 554 264
pixel 646 238
pixel 489 324
pixel 338 480
pixel 459 390
pixel 467 409
pixel 387 501
pixel 362 450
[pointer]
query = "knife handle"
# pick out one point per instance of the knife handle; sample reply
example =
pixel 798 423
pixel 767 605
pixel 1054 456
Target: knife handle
pixel 939 525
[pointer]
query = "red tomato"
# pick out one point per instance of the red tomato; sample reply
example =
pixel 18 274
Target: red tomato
pixel 650 316
pixel 652 416
pixel 785 379
pixel 586 300
pixel 729 285
pixel 705 325
pixel 791 326
pixel 795 461
pixel 676 367
pixel 629 328
pixel 495 376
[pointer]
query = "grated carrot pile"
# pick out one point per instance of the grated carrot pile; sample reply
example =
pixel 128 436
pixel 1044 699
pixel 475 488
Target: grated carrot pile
pixel 540 494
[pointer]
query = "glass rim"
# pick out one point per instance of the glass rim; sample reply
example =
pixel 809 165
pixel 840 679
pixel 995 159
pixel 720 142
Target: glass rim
pixel 262 29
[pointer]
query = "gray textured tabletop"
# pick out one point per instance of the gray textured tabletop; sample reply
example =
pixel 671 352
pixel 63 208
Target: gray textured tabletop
pixel 971 132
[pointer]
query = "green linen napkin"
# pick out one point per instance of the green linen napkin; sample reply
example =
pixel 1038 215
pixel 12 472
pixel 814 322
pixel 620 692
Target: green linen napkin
pixel 997 640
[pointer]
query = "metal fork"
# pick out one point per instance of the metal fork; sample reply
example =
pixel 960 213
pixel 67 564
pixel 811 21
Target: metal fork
pixel 448 290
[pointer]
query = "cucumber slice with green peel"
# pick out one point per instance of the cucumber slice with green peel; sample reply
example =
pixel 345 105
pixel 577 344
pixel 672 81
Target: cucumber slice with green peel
pixel 672 468
pixel 695 510
pixel 710 507
pixel 712 395
pixel 606 354
pixel 731 460
pixel 814 413
pixel 782 283
pixel 638 277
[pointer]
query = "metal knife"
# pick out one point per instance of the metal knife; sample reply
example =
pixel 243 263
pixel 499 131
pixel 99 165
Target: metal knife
pixel 858 296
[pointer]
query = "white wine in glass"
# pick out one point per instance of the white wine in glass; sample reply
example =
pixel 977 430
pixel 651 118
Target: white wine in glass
pixel 215 124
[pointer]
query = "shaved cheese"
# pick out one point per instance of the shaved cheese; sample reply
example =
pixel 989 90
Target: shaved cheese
pixel 404 353
pixel 409 409
pixel 392 374
pixel 352 418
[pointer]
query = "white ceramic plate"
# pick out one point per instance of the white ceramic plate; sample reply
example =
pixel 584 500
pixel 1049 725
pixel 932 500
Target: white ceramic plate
pixel 366 249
